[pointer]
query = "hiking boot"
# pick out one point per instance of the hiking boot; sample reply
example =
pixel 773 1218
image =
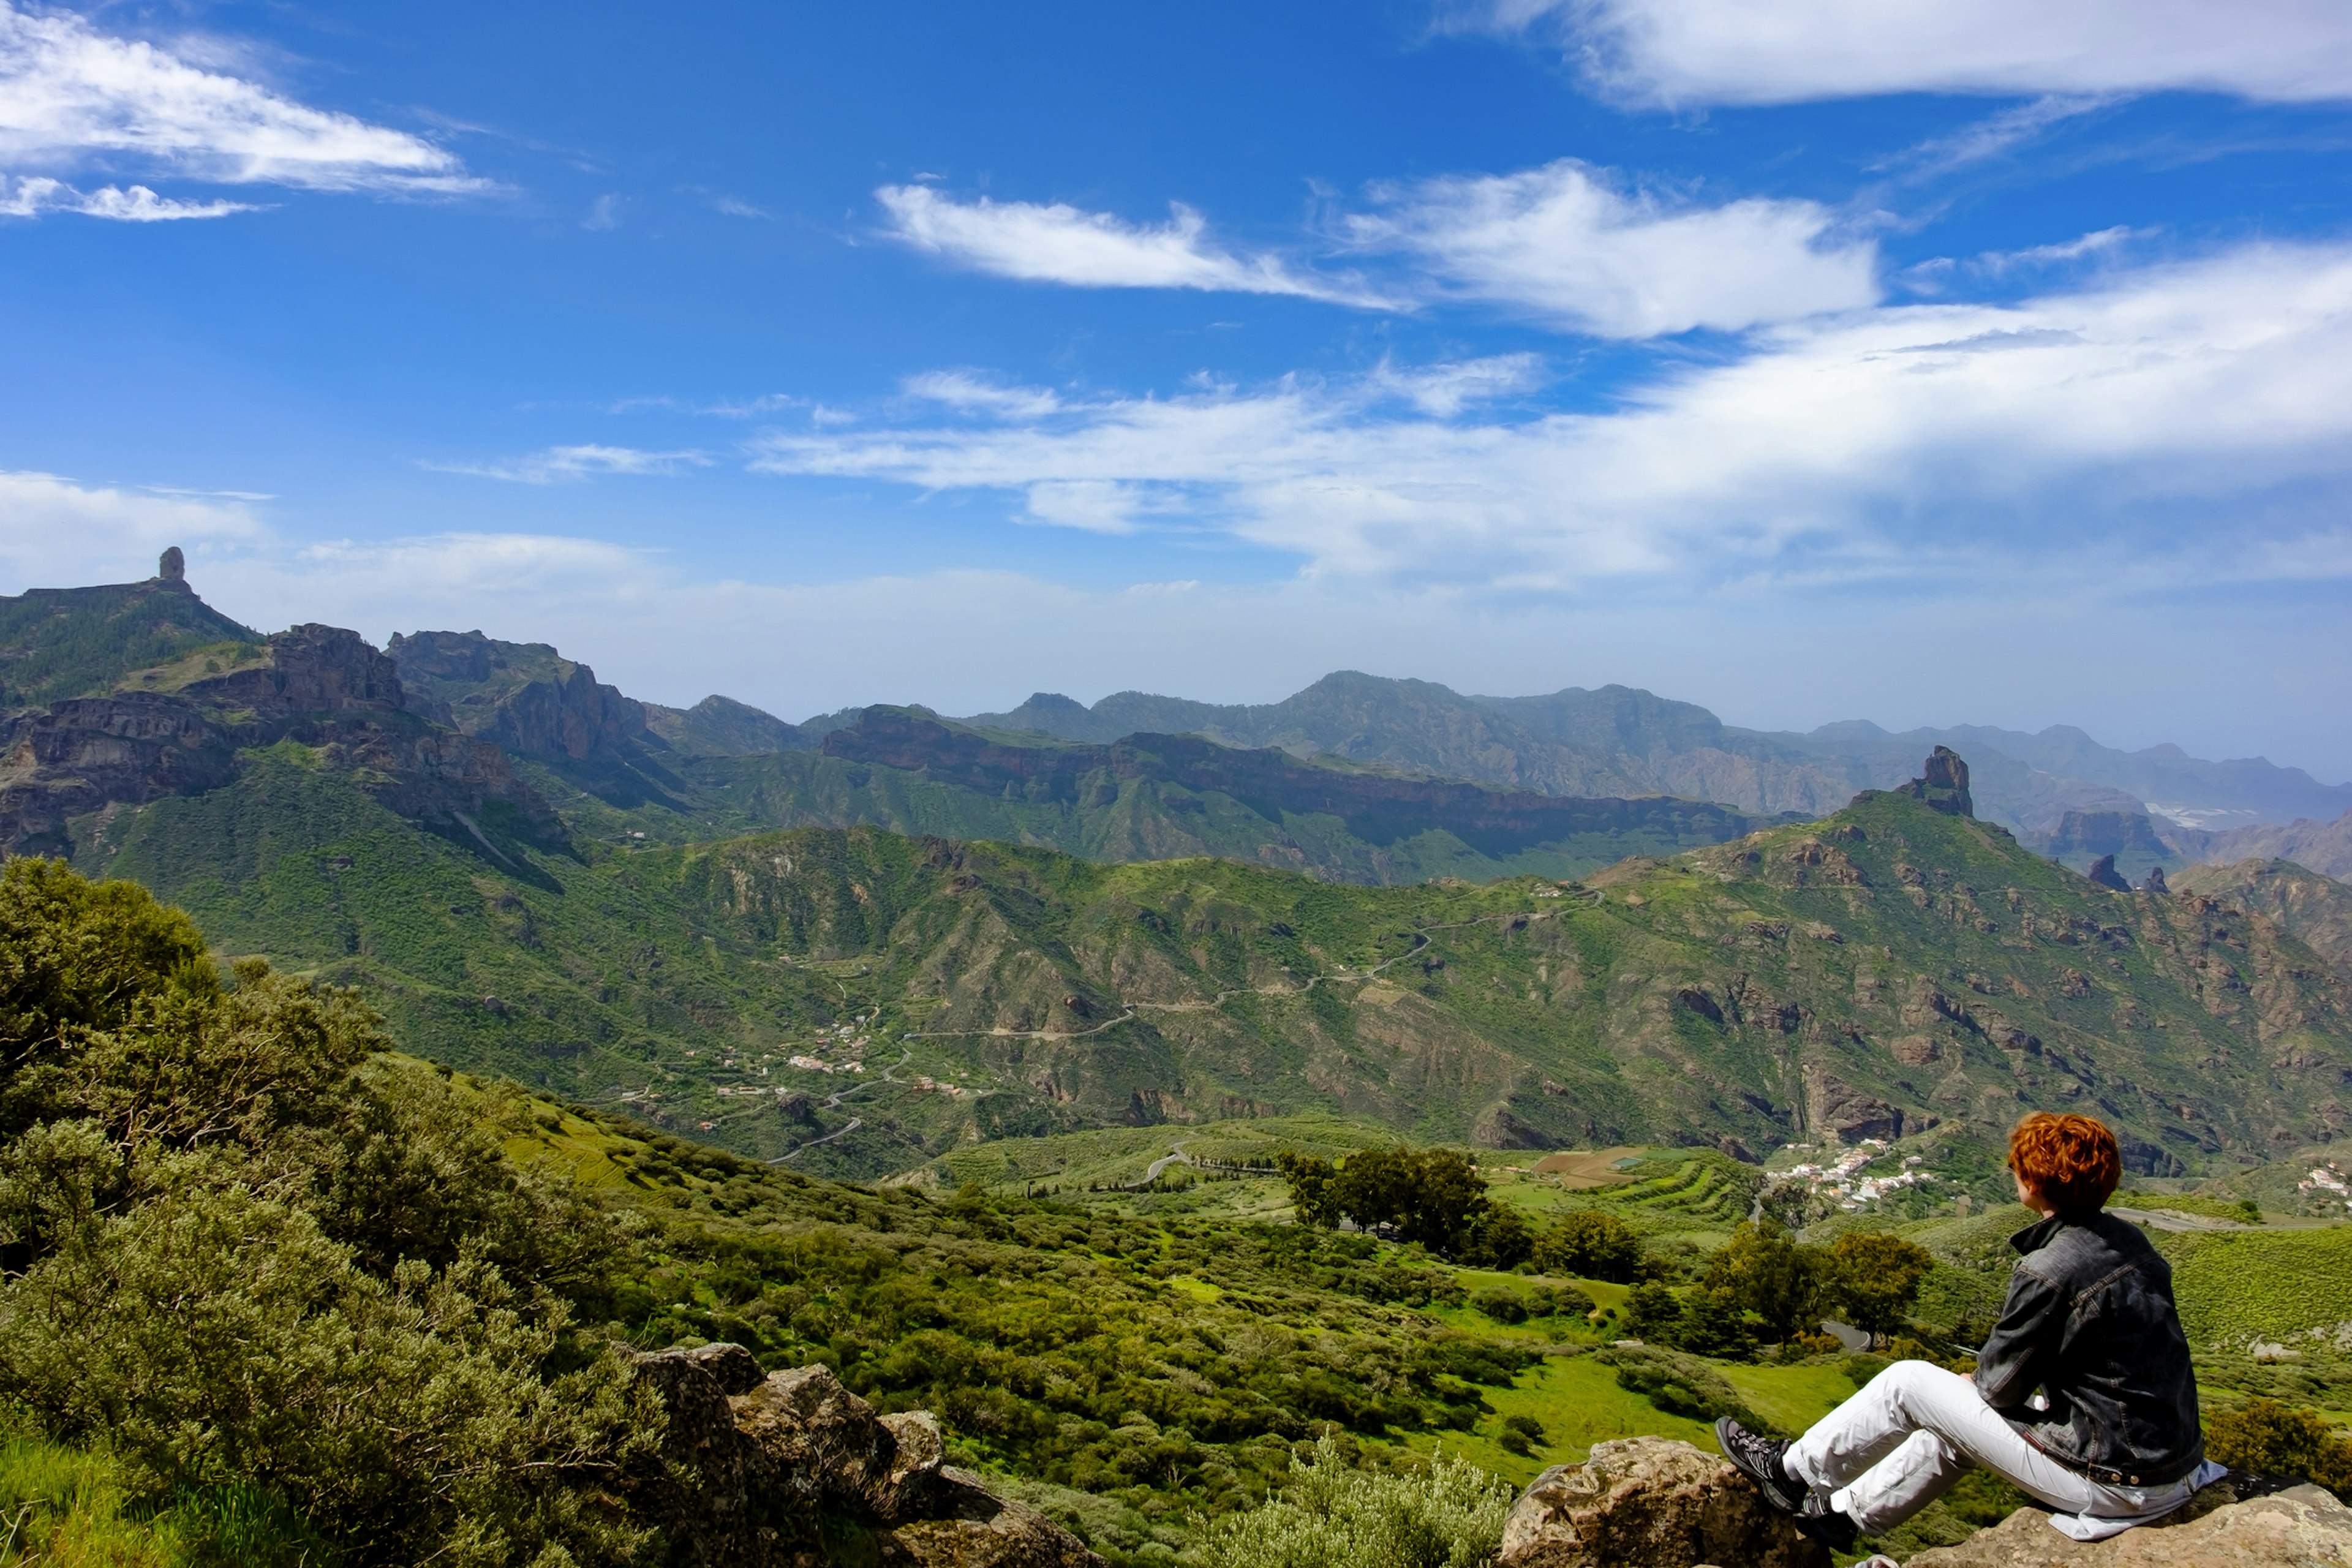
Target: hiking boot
pixel 1758 1459
pixel 1825 1524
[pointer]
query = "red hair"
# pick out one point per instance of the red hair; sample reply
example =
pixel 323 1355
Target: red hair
pixel 2072 1161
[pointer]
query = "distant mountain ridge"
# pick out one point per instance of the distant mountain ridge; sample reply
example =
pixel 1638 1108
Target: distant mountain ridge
pixel 1621 741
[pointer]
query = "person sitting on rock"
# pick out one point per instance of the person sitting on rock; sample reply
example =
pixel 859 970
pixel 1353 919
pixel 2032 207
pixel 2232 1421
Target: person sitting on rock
pixel 2083 1395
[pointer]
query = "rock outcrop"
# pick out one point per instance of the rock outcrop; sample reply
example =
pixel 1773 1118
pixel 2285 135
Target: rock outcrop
pixel 2301 1527
pixel 1943 783
pixel 789 1470
pixel 1650 1502
pixel 2103 872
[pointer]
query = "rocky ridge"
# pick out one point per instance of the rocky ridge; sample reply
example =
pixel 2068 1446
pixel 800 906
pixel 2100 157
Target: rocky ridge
pixel 179 729
pixel 789 1470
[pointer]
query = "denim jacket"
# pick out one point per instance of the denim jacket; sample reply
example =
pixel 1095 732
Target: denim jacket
pixel 2090 1321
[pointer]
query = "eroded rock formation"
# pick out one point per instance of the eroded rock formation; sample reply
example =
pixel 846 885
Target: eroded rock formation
pixel 2300 1528
pixel 1650 1502
pixel 789 1470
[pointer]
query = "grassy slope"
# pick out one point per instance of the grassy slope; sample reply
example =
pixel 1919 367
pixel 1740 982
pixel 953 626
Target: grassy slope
pixel 75 642
pixel 1733 990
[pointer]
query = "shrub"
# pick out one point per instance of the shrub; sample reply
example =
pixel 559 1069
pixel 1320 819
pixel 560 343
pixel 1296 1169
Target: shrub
pixel 1449 1515
pixel 1874 1278
pixel 1680 1385
pixel 1501 1303
pixel 2281 1441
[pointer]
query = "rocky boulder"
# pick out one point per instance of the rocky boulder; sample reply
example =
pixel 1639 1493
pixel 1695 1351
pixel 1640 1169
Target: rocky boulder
pixel 2301 1527
pixel 1943 783
pixel 1650 1502
pixel 789 1470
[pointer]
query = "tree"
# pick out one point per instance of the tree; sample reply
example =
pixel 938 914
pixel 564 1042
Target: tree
pixel 1430 1197
pixel 1653 1312
pixel 1772 1274
pixel 1310 1188
pixel 1874 1278
pixel 1444 1194
pixel 1498 1237
pixel 1591 1245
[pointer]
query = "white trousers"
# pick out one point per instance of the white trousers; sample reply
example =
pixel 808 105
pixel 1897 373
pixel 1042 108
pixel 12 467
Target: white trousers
pixel 1901 1442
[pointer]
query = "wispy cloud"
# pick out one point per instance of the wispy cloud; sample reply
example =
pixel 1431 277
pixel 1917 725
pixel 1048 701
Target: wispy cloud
pixel 565 465
pixel 969 392
pixel 2162 413
pixel 1062 244
pixel 36 195
pixel 1735 51
pixel 1565 242
pixel 71 95
pixel 1993 136
pixel 1937 276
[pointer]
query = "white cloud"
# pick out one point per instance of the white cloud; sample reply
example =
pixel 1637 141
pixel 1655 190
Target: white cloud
pixel 1738 51
pixel 971 393
pixel 56 532
pixel 32 196
pixel 1561 241
pixel 70 96
pixel 1060 243
pixel 1445 390
pixel 2169 415
pixel 563 465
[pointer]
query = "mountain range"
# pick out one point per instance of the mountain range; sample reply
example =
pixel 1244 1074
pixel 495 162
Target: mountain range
pixel 800 941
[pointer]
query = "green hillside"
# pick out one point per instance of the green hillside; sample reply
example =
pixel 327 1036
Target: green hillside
pixel 1891 971
pixel 59 643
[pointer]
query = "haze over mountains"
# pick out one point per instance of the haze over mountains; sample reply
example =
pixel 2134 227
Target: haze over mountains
pixel 795 937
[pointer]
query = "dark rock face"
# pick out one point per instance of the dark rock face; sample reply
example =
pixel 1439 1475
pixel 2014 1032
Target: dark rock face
pixel 1943 783
pixel 322 685
pixel 789 1470
pixel 1379 808
pixel 524 697
pixel 1650 1502
pixel 172 566
pixel 312 669
pixel 74 757
pixel 2156 882
pixel 1831 1106
pixel 2102 871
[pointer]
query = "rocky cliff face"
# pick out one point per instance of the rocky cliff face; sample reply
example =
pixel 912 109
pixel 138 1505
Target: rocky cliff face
pixel 524 697
pixel 177 730
pixel 789 1470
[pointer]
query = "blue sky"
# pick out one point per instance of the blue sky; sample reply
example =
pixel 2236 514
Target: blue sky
pixel 1979 361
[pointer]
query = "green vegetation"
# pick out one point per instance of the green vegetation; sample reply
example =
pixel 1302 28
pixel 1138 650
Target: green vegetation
pixel 2275 1439
pixel 2235 1286
pixel 1448 1514
pixel 59 643
pixel 1042 995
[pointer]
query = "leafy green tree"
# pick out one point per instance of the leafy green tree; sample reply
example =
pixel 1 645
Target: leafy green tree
pixel 1875 1278
pixel 1772 1274
pixel 1592 1244
pixel 1431 1196
pixel 1714 1323
pixel 1498 1237
pixel 1310 1179
pixel 1653 1312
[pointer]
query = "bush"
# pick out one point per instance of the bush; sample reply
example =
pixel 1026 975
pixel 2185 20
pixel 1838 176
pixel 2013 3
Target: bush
pixel 1501 1303
pixel 1680 1385
pixel 1449 1515
pixel 2281 1441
